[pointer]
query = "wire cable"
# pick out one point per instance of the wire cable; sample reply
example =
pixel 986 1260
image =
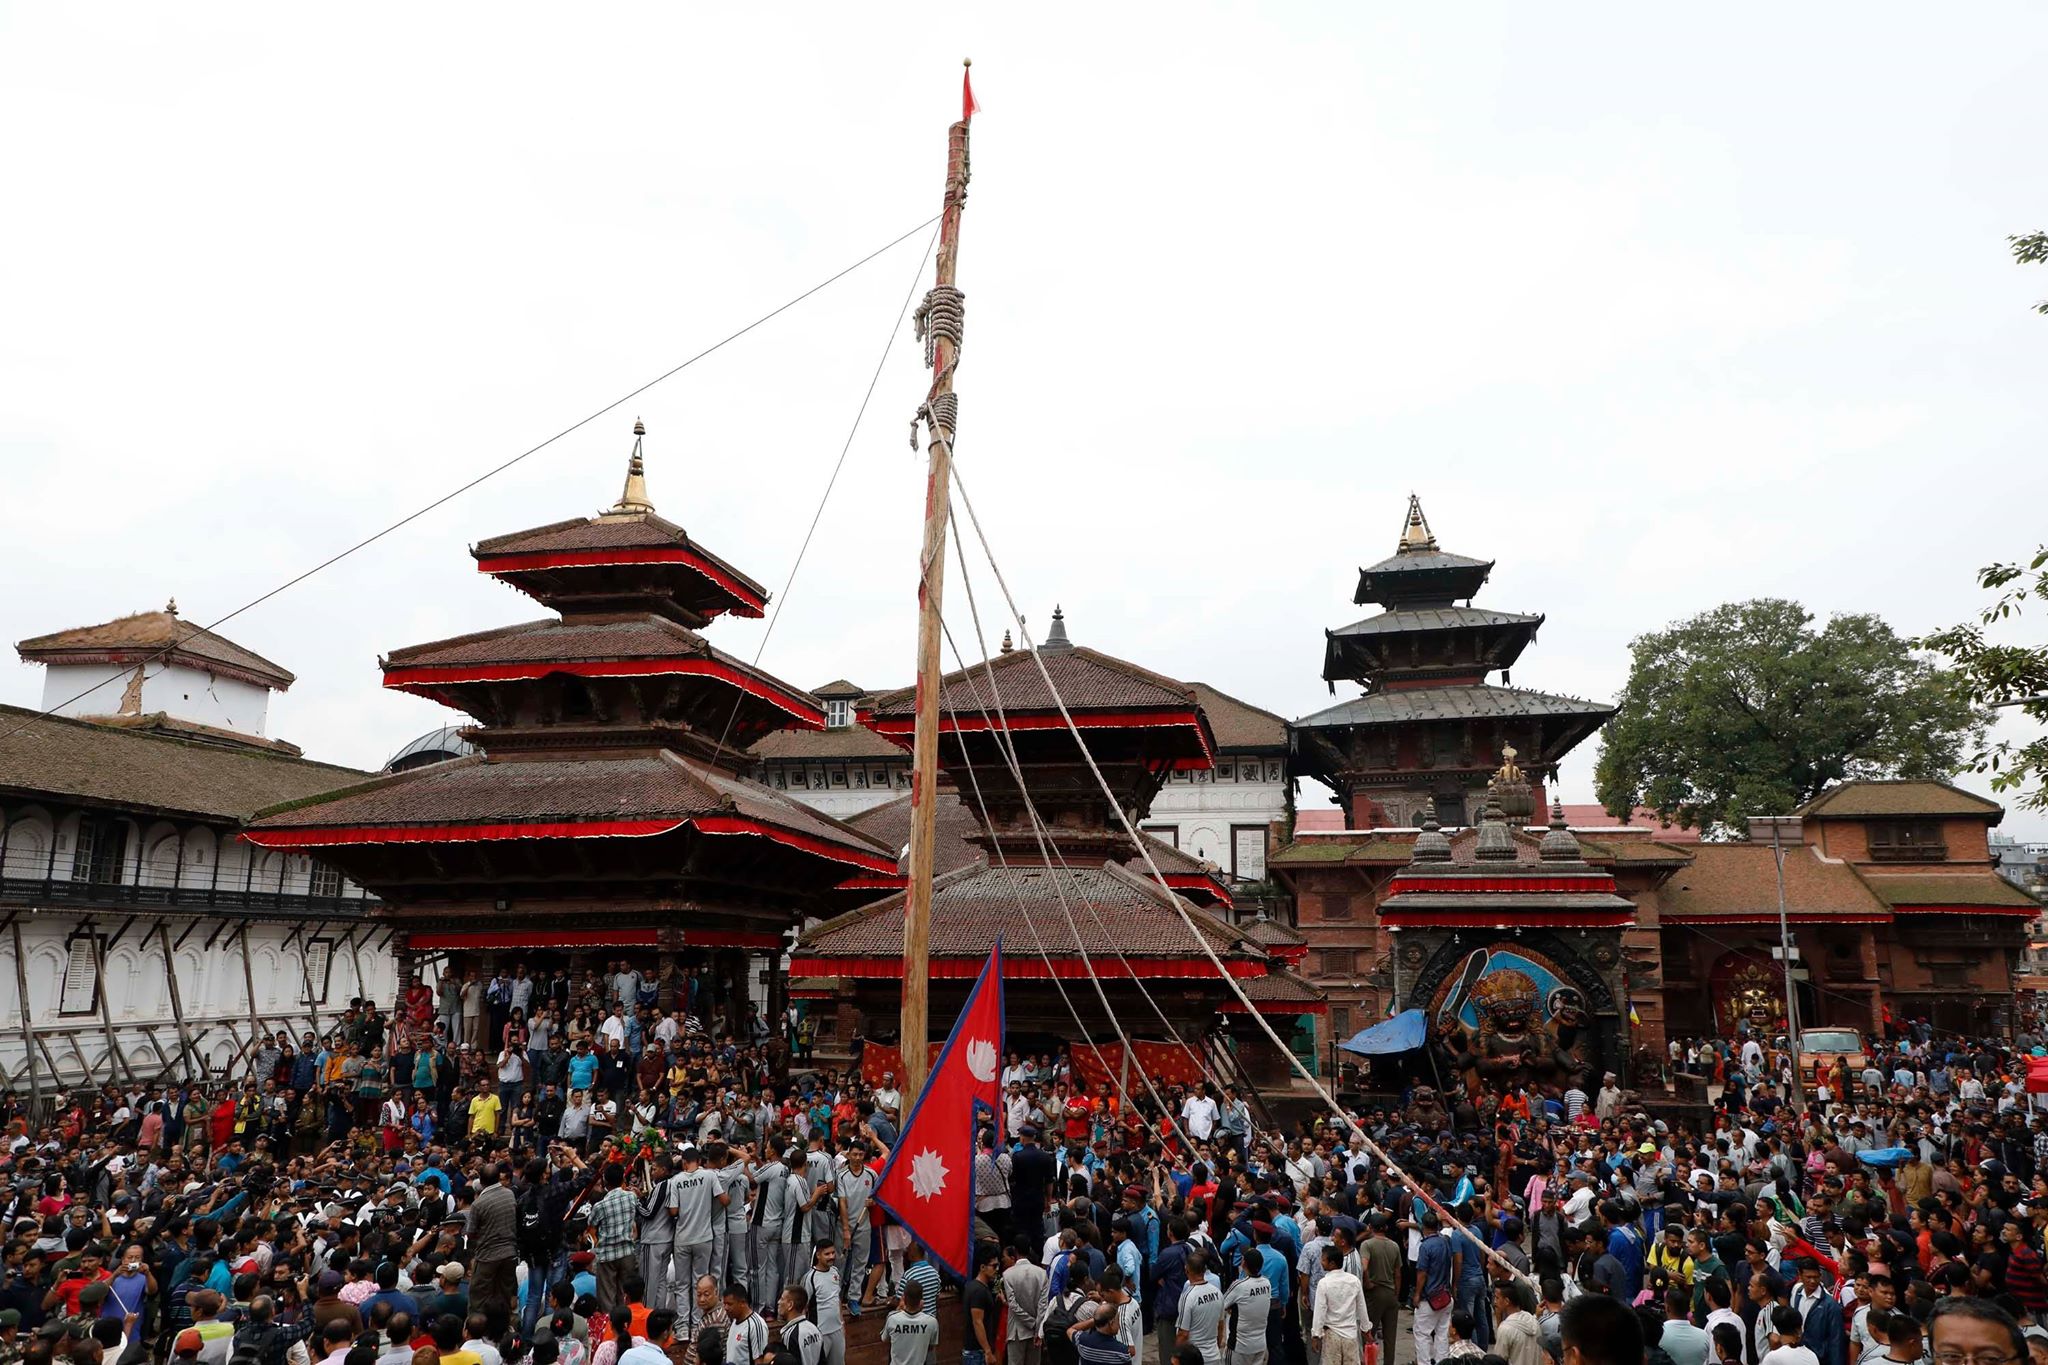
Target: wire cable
pixel 817 515
pixel 486 476
pixel 1392 1167
pixel 1047 845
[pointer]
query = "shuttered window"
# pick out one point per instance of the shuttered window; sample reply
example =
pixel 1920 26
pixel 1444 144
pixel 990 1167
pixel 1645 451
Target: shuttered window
pixel 81 992
pixel 319 957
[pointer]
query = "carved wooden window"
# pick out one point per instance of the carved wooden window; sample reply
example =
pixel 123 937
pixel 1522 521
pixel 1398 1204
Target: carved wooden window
pixel 1907 841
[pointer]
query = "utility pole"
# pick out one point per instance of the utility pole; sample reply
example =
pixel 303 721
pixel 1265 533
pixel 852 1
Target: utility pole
pixel 940 320
pixel 1787 953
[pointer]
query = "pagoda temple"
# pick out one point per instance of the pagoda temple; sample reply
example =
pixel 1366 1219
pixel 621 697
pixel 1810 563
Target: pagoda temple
pixel 605 808
pixel 1424 735
pixel 1005 875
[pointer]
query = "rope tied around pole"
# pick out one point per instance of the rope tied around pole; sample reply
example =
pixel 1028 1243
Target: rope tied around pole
pixel 942 313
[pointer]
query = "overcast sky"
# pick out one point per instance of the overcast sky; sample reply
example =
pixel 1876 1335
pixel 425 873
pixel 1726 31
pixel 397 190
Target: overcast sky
pixel 1660 310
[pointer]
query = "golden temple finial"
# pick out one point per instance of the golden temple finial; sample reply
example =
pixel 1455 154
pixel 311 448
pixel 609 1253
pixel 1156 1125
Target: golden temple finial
pixel 171 607
pixel 633 501
pixel 1415 533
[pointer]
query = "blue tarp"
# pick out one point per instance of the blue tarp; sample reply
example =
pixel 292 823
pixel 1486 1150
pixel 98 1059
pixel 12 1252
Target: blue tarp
pixel 1884 1156
pixel 1402 1033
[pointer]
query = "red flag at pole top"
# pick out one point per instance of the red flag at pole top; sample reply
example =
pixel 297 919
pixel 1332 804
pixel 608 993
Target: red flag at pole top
pixel 969 106
pixel 928 1183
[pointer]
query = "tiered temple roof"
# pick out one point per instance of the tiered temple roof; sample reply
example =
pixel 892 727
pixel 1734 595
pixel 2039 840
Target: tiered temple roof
pixel 611 742
pixel 1139 726
pixel 1429 718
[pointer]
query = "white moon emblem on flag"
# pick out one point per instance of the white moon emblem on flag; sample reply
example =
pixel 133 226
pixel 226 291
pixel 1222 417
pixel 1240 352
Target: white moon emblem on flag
pixel 927 1174
pixel 981 1059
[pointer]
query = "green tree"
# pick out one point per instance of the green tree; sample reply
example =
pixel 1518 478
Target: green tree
pixel 1749 710
pixel 2031 248
pixel 2003 675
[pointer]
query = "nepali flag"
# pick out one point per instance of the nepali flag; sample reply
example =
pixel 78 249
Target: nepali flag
pixel 928 1184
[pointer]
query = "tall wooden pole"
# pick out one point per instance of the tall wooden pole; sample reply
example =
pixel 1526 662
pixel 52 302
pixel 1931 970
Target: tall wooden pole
pixel 940 318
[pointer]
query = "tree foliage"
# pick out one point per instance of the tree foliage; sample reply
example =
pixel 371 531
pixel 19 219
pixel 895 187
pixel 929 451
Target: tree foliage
pixel 1749 710
pixel 2003 675
pixel 2031 248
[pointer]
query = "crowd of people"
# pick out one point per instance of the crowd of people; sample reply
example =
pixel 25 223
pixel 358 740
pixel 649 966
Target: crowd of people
pixel 626 1170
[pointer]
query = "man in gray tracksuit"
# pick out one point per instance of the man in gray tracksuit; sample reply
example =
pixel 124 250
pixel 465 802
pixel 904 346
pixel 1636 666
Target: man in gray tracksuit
pixel 819 1171
pixel 693 1204
pixel 735 1185
pixel 851 1191
pixel 656 1236
pixel 772 1216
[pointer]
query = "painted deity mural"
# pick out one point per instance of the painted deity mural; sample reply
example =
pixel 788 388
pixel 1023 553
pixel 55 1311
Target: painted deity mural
pixel 1508 1013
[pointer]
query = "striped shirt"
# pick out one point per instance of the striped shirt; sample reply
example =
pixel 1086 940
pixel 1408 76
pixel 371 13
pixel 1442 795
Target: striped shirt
pixel 925 1275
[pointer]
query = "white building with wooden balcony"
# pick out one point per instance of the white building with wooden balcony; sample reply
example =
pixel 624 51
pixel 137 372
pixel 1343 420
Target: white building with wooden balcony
pixel 139 938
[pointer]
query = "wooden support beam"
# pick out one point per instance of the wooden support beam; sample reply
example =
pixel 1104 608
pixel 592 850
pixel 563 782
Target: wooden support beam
pixel 28 1021
pixel 195 1067
pixel 120 933
pixel 115 1057
pixel 190 929
pixel 248 984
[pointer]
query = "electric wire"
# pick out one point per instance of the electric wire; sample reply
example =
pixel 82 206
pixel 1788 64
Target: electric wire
pixel 1392 1167
pixel 482 478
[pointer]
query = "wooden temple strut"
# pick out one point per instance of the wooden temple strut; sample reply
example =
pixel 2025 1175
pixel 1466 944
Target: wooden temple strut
pixel 939 321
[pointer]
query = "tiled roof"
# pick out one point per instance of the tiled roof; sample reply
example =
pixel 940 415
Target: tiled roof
pixel 1964 888
pixel 606 533
pixel 1281 987
pixel 1472 701
pixel 1318 818
pixel 81 761
pixel 972 906
pixel 147 632
pixel 634 636
pixel 486 791
pixel 1874 797
pixel 1434 618
pixel 1269 932
pixel 848 741
pixel 1592 817
pixel 1239 725
pixel 955 825
pixel 1087 679
pixel 1367 846
pixel 837 689
pixel 1741 879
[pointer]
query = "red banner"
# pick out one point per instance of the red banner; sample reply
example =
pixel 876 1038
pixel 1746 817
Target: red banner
pixel 875 1058
pixel 2037 1075
pixel 1101 1068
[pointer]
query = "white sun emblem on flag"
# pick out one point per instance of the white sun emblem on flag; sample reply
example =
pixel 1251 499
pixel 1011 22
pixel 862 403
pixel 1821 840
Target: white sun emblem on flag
pixel 981 1059
pixel 927 1174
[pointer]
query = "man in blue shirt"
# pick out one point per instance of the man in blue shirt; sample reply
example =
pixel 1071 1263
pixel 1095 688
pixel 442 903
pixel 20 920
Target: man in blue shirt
pixel 1624 1244
pixel 1436 1273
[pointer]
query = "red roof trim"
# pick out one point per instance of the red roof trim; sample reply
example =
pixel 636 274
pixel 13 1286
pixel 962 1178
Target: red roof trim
pixel 1998 911
pixel 1770 918
pixel 1291 954
pixel 317 837
pixel 1020 968
pixel 735 824
pixel 1201 881
pixel 895 881
pixel 570 829
pixel 433 939
pixel 1508 919
pixel 425 678
pixel 902 729
pixel 751 603
pixel 1579 882
pixel 1280 1007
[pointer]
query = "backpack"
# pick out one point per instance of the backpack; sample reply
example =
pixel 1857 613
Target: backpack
pixel 262 1345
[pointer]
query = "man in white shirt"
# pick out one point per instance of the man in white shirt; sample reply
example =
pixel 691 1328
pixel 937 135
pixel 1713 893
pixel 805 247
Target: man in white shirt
pixel 1198 1114
pixel 1339 1322
pixel 887 1095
